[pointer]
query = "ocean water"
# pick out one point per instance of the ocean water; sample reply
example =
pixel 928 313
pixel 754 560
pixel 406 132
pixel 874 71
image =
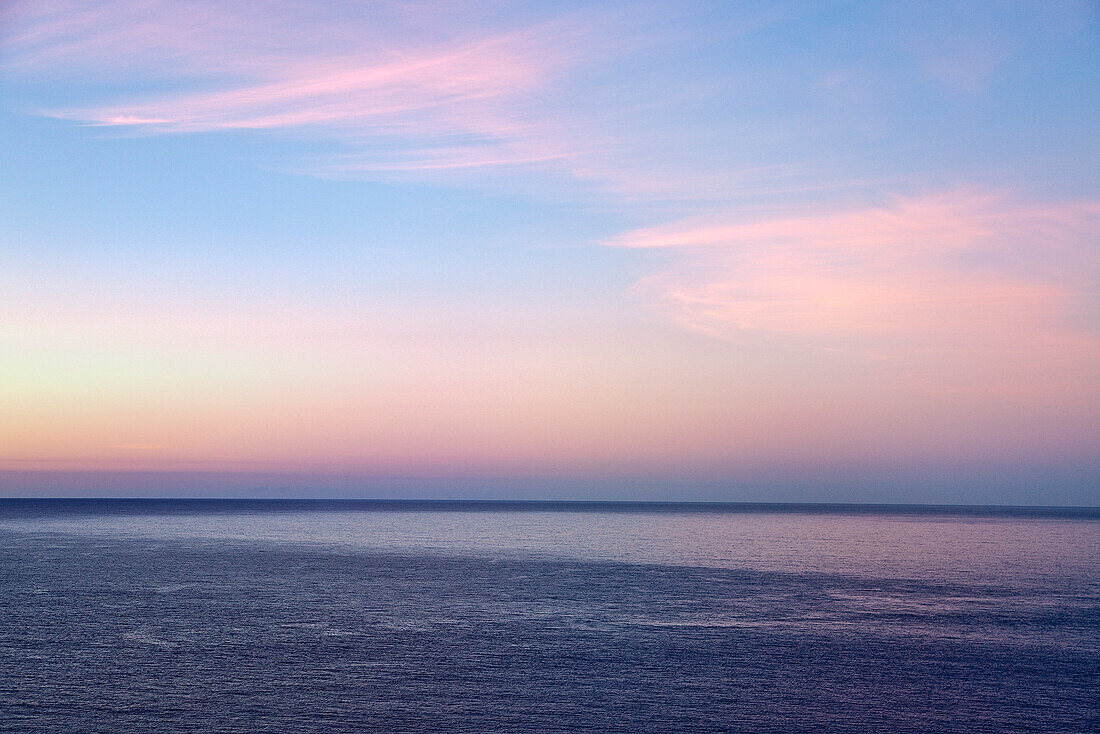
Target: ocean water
pixel 231 616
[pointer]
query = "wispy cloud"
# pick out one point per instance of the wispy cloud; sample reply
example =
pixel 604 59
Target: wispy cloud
pixel 399 91
pixel 455 84
pixel 961 283
pixel 964 46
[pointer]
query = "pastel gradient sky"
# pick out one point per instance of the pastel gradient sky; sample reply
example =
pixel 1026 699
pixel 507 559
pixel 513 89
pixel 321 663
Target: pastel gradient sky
pixel 707 251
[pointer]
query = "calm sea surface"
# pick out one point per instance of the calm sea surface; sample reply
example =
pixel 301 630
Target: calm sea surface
pixel 192 616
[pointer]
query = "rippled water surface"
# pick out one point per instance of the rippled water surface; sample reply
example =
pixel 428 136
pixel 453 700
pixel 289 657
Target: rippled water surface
pixel 332 617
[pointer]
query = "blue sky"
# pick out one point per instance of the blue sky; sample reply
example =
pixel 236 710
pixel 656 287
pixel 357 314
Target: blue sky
pixel 732 247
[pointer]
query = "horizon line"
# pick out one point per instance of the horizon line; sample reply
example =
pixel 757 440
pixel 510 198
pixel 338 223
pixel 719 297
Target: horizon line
pixel 382 502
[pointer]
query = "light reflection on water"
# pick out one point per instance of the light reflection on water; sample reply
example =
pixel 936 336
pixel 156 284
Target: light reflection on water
pixel 942 549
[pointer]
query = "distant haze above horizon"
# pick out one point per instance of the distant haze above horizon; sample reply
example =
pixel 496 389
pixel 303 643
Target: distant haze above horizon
pixel 826 251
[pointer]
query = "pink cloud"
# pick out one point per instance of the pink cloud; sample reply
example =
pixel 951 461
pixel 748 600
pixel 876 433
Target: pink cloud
pixel 402 91
pixel 354 92
pixel 955 290
pixel 955 220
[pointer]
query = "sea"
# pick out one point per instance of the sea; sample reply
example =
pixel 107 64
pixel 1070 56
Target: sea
pixel 386 616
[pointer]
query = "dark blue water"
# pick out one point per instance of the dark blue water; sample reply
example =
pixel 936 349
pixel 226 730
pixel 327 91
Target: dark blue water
pixel 337 617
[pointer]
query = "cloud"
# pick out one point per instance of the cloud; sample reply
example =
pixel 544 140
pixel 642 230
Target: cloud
pixel 965 46
pixel 967 287
pixel 399 91
pixel 498 95
pixel 436 91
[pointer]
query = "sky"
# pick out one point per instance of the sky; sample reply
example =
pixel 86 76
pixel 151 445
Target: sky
pixel 774 251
